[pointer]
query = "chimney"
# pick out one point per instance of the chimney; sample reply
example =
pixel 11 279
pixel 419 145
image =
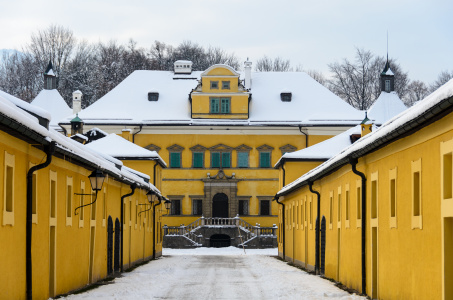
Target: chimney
pixel 248 74
pixel 127 134
pixel 76 102
pixel 183 67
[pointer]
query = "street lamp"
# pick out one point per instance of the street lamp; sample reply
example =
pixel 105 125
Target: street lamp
pixel 167 204
pixel 96 181
pixel 150 195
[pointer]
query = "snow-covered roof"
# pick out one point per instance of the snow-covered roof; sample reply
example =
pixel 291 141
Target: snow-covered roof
pixel 311 103
pixel 26 106
pixel 50 73
pixel 411 118
pixel 51 101
pixel 119 147
pixel 80 136
pixel 389 72
pixel 386 106
pixel 11 113
pixel 323 150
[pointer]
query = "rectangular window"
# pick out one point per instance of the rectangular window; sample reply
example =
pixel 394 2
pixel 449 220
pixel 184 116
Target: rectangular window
pixel 93 207
pixel 136 213
pixel 175 159
pixel 215 105
pixel 265 159
pixel 197 207
pixel 214 85
pixel 339 208
pixel 49 83
pixel 243 159
pixel 82 209
pixel 393 198
pixel 387 86
pixel 264 208
pixel 176 207
pixel 311 213
pixel 416 193
pixel 215 159
pixel 9 188
pixel 374 199
pixel 243 207
pixel 53 200
pixel 359 201
pixel 198 159
pixel 225 85
pixel 447 176
pixel 347 205
pixel 68 201
pixel 225 109
pixel 8 194
pixel 331 209
pixel 225 160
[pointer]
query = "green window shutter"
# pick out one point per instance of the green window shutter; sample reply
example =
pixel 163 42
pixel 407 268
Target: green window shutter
pixel 175 160
pixel 215 105
pixel 243 159
pixel 225 160
pixel 225 106
pixel 198 160
pixel 265 160
pixel 215 160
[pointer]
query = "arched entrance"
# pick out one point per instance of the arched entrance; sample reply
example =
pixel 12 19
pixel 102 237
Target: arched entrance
pixel 219 241
pixel 220 206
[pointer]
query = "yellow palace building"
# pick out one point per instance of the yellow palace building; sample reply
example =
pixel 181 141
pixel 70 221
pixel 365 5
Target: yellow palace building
pixel 220 132
pixel 70 215
pixel 378 215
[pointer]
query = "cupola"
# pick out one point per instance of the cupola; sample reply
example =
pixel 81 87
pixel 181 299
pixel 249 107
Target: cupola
pixel 76 125
pixel 387 79
pixel 366 126
pixel 50 78
pixel 183 67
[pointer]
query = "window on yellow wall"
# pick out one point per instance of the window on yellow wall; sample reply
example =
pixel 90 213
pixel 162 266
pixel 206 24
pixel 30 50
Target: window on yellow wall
pixel 225 85
pixel 93 208
pixel 331 210
pixel 339 208
pixel 347 205
pixel 8 194
pixel 416 193
pixel 392 198
pixel 359 202
pixel 53 198
pixel 374 199
pixel 225 105
pixel 214 85
pixel 311 213
pixel 447 176
pixel 69 201
pixel 81 210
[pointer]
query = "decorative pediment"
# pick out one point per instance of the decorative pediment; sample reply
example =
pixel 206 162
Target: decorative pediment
pixel 153 147
pixel 220 176
pixel 221 147
pixel 198 148
pixel 265 148
pixel 287 148
pixel 175 148
pixel 243 148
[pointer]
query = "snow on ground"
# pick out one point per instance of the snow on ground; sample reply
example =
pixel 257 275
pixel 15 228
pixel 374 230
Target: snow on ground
pixel 217 273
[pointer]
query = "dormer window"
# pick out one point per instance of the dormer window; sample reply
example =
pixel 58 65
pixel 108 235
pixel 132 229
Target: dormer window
pixel 387 86
pixel 153 96
pixel 225 85
pixel 286 96
pixel 214 85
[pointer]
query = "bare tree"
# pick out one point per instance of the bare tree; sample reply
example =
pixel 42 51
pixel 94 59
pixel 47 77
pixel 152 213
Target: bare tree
pixel 278 64
pixel 357 82
pixel 318 76
pixel 55 44
pixel 442 78
pixel 215 55
pixel 417 90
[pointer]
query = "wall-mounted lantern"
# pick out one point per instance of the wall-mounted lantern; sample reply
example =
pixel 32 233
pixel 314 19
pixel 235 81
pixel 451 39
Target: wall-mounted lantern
pixel 167 204
pixel 96 181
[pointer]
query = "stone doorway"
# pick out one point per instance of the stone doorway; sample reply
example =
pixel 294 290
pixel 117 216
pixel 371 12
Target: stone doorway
pixel 220 206
pixel 220 241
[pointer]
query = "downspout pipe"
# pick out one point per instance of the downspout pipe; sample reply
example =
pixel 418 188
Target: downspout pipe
pixel 318 228
pixel 283 223
pixel 133 135
pixel 154 226
pixel 353 162
pixel 306 136
pixel 50 150
pixel 133 187
pixel 284 174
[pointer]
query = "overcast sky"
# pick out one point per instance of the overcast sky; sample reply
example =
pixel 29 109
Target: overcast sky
pixel 310 33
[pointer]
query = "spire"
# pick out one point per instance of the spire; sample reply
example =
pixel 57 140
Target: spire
pixel 366 125
pixel 49 70
pixel 50 78
pixel 387 77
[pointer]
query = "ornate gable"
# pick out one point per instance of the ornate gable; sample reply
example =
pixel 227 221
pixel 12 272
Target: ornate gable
pixel 198 148
pixel 221 147
pixel 265 148
pixel 153 147
pixel 175 148
pixel 243 148
pixel 287 148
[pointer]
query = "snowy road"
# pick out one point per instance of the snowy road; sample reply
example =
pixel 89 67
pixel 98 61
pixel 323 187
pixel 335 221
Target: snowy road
pixel 182 274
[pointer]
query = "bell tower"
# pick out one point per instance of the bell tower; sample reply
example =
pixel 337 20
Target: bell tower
pixel 50 78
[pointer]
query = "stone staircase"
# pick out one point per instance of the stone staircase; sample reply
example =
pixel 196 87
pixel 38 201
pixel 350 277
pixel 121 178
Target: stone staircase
pixel 218 232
